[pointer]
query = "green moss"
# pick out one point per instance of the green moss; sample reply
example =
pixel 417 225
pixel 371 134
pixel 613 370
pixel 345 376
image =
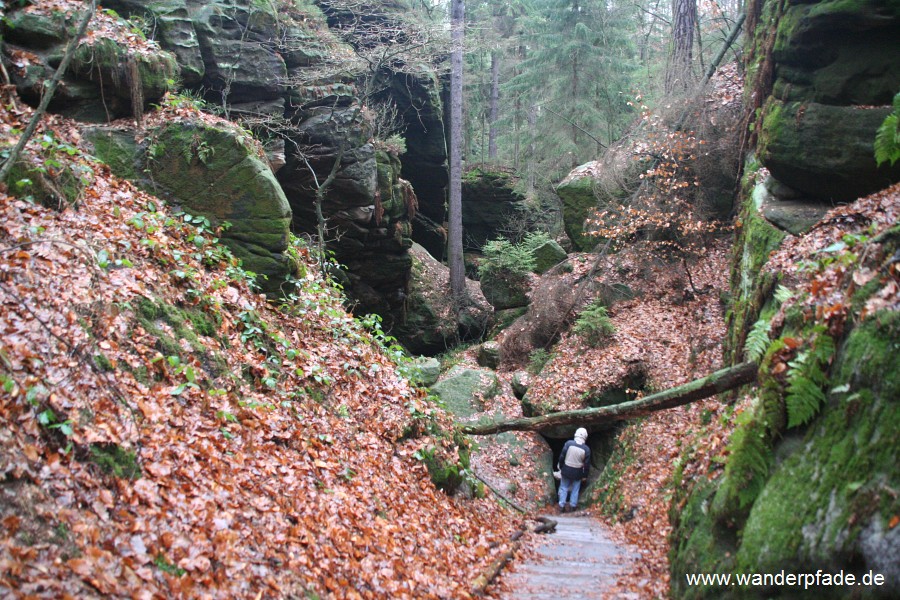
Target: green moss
pixel 103 363
pixel 829 488
pixel 52 188
pixel 115 461
pixel 605 490
pixel 449 476
pixel 698 543
pixel 186 324
pixel 750 457
pixel 751 287
pixel 578 203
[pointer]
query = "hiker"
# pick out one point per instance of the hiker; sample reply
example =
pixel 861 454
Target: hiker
pixel 573 464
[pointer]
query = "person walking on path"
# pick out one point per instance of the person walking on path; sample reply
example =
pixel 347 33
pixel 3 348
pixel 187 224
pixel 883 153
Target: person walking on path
pixel 574 462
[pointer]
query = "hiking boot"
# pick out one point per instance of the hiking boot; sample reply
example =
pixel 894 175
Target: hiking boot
pixel 560 509
pixel 571 509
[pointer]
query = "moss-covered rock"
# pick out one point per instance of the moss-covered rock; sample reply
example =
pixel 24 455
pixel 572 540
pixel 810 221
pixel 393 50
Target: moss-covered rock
pixel 489 355
pixel 173 29
pixel 430 323
pixel 837 52
pixel 129 81
pixel 750 287
pixel 548 255
pixel 490 201
pixel 117 148
pixel 828 503
pixel 578 203
pixel 824 151
pixel 504 289
pixel 107 79
pixel 464 390
pixel 216 172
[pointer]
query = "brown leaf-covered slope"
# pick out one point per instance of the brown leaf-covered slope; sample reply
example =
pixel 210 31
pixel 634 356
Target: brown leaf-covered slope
pixel 167 432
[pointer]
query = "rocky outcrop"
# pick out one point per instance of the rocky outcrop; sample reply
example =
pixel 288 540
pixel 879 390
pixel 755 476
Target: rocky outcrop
pixel 463 391
pixel 490 203
pixel 809 477
pixel 834 77
pixel 547 255
pixel 268 62
pixel 505 289
pixel 107 79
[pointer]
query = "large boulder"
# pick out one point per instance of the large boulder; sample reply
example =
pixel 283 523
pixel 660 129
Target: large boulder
pixel 834 76
pixel 213 171
pixel 822 150
pixel 548 255
pixel 489 355
pixel 504 289
pixel 429 323
pixel 578 202
pixel 837 52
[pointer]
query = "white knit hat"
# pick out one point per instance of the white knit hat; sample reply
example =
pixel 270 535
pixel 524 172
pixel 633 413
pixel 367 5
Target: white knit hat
pixel 581 435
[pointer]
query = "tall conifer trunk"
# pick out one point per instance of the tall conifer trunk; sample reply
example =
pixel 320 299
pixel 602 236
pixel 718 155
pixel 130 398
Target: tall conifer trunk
pixel 684 22
pixel 454 233
pixel 494 106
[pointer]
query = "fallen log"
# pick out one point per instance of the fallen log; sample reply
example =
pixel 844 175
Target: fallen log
pixel 714 383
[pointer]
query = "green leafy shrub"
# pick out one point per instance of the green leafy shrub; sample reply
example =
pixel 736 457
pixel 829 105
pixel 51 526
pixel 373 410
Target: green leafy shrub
pixel 594 324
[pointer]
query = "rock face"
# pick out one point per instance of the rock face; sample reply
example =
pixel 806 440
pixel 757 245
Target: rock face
pixel 578 201
pixel 834 67
pixel 489 202
pixel 428 324
pixel 802 495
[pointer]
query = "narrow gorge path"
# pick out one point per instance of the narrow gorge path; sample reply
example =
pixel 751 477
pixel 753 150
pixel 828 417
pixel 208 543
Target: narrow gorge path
pixel 578 561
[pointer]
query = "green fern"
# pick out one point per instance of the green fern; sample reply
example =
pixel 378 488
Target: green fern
pixel 757 340
pixel 806 378
pixel 748 467
pixel 887 138
pixel 804 400
pixel 783 294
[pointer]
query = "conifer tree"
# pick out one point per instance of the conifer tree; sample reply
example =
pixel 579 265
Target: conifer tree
pixel 575 77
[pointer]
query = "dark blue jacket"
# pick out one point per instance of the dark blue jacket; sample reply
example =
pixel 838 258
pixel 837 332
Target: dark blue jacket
pixel 578 463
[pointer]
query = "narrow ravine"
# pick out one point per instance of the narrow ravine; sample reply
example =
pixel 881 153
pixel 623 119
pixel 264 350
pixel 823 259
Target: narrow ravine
pixel 578 560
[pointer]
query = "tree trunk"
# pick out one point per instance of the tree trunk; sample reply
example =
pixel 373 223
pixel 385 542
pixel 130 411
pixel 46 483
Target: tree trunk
pixel 532 150
pixel 683 23
pixel 715 383
pixel 494 106
pixel 454 242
